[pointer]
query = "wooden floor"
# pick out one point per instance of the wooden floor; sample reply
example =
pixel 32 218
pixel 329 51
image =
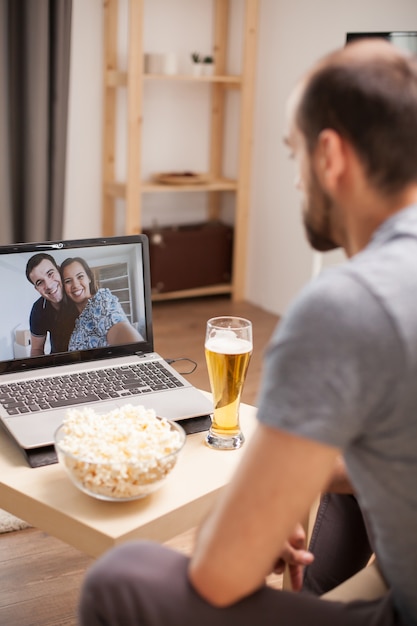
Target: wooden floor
pixel 40 576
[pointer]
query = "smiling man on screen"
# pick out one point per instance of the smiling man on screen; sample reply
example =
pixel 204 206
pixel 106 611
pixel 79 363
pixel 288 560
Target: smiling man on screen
pixel 50 314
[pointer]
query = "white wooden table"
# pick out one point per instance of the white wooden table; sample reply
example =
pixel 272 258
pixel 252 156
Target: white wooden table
pixel 45 497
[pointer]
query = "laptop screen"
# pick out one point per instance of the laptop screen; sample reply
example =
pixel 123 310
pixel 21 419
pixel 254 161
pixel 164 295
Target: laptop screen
pixel 72 301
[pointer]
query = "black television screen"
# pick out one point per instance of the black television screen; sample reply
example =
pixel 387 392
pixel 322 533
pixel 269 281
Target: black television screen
pixel 406 40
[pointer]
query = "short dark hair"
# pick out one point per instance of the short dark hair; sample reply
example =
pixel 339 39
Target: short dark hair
pixel 372 102
pixel 35 260
pixel 87 269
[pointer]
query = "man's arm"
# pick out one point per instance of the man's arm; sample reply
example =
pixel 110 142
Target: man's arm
pixel 37 345
pixel 273 488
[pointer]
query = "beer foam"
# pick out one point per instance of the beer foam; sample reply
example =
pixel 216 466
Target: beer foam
pixel 226 342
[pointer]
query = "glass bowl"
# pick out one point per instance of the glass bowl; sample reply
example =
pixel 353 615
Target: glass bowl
pixel 119 480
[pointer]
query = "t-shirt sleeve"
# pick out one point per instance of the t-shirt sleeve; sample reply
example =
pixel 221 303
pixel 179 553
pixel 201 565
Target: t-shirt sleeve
pixel 332 364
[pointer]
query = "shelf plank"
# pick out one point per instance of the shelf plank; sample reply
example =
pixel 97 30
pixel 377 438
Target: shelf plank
pixel 118 190
pixel 116 78
pixel 212 290
pixel 220 184
pixel 214 78
pixel 115 190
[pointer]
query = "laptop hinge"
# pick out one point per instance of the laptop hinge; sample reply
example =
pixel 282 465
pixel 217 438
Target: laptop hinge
pixel 141 354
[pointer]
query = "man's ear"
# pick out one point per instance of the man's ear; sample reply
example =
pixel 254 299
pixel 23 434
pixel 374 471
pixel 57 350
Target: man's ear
pixel 329 158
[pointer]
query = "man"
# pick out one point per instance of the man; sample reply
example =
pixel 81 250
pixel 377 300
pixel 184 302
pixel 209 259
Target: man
pixel 340 381
pixel 48 314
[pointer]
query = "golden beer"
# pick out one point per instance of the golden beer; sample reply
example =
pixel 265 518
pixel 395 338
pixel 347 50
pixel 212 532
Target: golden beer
pixel 228 349
pixel 227 372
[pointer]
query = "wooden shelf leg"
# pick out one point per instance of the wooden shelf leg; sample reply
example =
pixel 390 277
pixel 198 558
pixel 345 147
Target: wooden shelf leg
pixel 245 149
pixel 109 115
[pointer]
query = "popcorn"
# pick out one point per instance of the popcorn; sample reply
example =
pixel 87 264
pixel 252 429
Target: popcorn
pixel 123 454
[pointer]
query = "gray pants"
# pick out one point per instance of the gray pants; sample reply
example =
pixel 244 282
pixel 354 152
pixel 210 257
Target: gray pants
pixel 146 584
pixel 339 542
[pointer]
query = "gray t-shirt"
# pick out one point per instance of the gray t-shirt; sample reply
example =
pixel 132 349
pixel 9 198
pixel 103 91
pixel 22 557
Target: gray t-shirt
pixel 342 369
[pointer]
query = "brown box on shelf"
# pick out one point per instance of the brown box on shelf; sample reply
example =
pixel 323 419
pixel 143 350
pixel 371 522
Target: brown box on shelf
pixel 190 256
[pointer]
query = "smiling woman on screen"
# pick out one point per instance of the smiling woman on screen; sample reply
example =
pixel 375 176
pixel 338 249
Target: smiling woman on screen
pixel 101 321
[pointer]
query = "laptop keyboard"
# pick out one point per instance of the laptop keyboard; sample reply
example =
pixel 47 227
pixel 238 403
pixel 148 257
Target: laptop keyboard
pixel 84 387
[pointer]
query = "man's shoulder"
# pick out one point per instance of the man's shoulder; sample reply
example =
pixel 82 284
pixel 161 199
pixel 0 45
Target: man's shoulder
pixel 336 305
pixel 370 296
pixel 334 290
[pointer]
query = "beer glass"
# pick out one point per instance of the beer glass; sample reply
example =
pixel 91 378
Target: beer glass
pixel 228 348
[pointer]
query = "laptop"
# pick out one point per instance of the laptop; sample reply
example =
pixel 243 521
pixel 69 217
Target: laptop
pixel 76 351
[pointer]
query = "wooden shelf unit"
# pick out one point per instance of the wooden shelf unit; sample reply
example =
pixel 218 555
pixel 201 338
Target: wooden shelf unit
pixel 134 81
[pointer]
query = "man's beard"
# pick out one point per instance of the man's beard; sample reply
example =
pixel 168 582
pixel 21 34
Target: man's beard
pixel 318 230
pixel 318 240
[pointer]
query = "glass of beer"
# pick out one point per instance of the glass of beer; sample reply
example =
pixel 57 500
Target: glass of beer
pixel 228 349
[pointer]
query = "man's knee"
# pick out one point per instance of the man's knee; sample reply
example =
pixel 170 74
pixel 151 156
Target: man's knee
pixel 124 586
pixel 139 563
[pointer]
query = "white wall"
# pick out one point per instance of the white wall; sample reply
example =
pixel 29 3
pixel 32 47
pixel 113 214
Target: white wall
pixel 293 33
pixel 83 170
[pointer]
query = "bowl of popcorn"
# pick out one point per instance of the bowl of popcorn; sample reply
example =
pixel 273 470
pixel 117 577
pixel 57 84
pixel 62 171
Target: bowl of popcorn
pixel 122 455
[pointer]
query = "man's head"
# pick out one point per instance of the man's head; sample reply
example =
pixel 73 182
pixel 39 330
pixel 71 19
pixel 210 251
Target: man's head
pixel 365 95
pixel 43 272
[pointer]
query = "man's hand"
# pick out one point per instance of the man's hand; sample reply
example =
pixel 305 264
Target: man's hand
pixel 295 555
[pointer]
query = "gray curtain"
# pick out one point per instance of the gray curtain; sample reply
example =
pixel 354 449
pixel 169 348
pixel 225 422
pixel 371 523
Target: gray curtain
pixel 34 78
